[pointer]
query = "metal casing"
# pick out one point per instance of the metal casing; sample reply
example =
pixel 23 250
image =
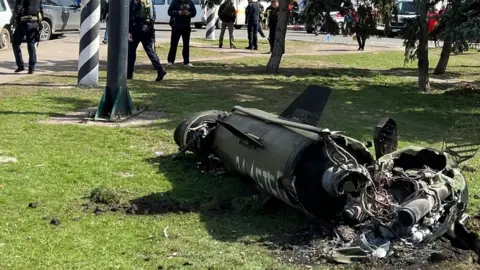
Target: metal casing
pixel 267 164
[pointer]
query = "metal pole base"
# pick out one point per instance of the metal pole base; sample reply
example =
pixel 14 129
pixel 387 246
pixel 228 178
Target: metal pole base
pixel 115 105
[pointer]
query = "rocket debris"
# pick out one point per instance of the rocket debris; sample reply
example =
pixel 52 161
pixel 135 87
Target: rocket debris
pixel 410 196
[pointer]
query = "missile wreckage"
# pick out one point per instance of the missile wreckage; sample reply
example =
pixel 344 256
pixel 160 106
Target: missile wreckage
pixel 411 196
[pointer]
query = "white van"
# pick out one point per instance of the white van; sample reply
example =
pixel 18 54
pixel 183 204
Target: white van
pixel 240 6
pixel 161 11
pixel 5 16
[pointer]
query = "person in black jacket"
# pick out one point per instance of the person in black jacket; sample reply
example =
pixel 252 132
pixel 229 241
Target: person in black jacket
pixel 272 12
pixel 252 20
pixel 141 29
pixel 26 17
pixel 228 16
pixel 182 12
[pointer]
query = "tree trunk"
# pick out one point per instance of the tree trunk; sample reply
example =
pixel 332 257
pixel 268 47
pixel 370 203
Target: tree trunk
pixel 423 79
pixel 280 34
pixel 444 57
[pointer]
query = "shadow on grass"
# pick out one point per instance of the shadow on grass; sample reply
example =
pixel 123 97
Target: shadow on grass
pixel 223 68
pixel 227 204
pixel 66 104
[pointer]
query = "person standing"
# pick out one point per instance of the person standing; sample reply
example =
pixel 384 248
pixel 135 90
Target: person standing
pixel 228 16
pixel 104 18
pixel 364 25
pixel 141 29
pixel 182 12
pixel 27 15
pixel 252 20
pixel 272 12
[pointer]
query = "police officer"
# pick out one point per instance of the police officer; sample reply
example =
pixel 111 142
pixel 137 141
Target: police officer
pixel 26 18
pixel 141 29
pixel 272 11
pixel 252 20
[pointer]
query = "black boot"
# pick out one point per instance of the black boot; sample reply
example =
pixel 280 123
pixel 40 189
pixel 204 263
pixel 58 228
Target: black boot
pixel 31 70
pixel 129 76
pixel 160 75
pixel 19 69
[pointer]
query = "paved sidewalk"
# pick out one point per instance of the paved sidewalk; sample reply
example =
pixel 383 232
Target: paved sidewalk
pixel 53 55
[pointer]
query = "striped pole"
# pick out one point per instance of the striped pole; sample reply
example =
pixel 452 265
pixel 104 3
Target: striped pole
pixel 89 43
pixel 211 18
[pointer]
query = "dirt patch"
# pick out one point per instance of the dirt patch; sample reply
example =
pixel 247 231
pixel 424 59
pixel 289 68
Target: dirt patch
pixel 85 117
pixel 464 89
pixel 314 246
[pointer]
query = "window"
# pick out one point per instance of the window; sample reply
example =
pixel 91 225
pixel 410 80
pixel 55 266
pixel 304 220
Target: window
pixel 196 2
pixel 159 2
pixel 3 7
pixel 50 3
pixel 406 8
pixel 66 3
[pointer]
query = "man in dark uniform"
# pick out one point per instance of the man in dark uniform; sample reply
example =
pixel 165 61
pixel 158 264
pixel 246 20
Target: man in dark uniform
pixel 141 29
pixel 272 12
pixel 181 13
pixel 252 20
pixel 26 17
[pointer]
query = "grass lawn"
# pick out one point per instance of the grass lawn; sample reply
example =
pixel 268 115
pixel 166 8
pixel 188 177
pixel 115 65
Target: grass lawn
pixel 60 165
pixel 463 66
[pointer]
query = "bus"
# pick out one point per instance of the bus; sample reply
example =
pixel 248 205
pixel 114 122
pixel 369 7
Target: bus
pixel 161 9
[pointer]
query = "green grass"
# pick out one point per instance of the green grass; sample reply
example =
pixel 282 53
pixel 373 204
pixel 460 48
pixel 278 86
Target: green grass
pixel 462 66
pixel 62 166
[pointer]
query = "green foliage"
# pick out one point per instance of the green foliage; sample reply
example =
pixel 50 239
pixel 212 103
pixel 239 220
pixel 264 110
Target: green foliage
pixel 317 11
pixel 461 24
pixel 411 33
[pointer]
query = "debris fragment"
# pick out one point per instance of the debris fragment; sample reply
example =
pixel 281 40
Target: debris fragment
pixel 402 198
pixel 32 205
pixel 98 211
pixel 6 159
pixel 55 221
pixel 165 232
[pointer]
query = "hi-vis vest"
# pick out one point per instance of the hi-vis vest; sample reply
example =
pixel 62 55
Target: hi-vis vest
pixel 146 11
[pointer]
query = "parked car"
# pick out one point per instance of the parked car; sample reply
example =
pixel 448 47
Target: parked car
pixel 59 17
pixel 336 16
pixel 5 15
